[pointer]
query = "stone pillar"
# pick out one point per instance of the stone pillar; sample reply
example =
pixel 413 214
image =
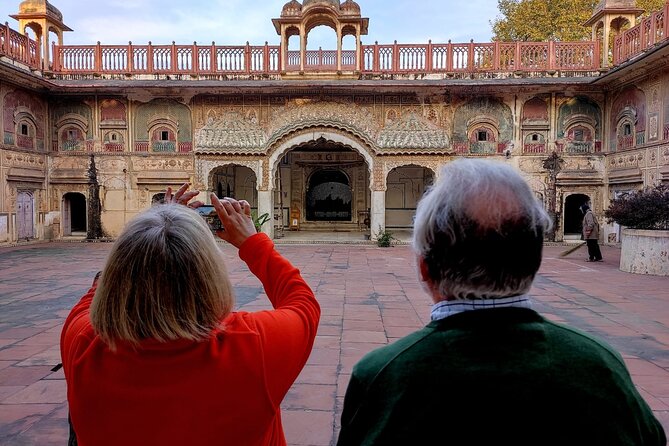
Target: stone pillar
pixel 378 213
pixel 266 205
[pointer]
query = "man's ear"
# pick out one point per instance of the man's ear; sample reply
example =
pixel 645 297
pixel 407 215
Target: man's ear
pixel 422 267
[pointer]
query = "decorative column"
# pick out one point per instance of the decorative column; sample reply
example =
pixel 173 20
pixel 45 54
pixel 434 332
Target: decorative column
pixel 339 48
pixel 266 206
pixel 378 213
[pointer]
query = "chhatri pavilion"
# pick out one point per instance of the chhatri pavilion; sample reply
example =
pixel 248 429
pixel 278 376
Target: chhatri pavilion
pixel 340 139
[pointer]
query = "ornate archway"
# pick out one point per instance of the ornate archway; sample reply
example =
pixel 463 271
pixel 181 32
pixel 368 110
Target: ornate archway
pixel 320 179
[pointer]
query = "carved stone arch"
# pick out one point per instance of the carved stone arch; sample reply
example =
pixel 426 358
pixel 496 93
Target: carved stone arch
pixel 626 114
pixel 24 114
pixel 72 119
pixel 162 121
pixel 34 27
pixel 283 145
pixel 483 123
pixel 205 168
pixel 314 20
pixel 432 166
pixel 582 119
pixel 292 31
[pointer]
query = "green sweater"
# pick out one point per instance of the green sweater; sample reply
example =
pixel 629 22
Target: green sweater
pixel 502 376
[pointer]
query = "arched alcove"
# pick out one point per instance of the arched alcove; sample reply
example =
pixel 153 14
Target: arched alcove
pixel 234 181
pixel 329 196
pixel 405 187
pixel 573 217
pixel 74 214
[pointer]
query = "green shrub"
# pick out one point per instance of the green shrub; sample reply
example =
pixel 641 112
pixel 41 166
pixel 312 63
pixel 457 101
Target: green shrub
pixel 384 238
pixel 644 209
pixel 258 221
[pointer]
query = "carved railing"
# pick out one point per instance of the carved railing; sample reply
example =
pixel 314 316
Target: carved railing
pixel 376 59
pixel 166 59
pixel 625 142
pixel 634 41
pixel 480 57
pixel 535 148
pixel 18 47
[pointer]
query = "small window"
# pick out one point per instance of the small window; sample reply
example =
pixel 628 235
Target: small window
pixel 24 129
pixel 113 137
pixel 579 135
pixel 164 135
pixel 71 134
pixel 535 137
pixel 627 129
pixel 482 135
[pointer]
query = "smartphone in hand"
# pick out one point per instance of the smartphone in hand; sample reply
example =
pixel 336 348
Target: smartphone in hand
pixel 211 217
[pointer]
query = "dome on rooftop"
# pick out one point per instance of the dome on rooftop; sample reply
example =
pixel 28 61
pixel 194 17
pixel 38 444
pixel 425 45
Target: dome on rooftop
pixel 333 3
pixel 292 8
pixel 349 7
pixel 40 7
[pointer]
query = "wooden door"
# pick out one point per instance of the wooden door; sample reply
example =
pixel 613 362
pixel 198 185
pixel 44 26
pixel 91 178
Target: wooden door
pixel 24 216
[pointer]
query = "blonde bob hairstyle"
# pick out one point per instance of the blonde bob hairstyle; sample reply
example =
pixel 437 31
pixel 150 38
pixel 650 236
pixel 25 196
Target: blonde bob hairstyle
pixel 164 279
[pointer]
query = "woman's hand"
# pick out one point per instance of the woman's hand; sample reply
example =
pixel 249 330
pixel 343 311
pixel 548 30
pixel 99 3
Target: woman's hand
pixel 183 196
pixel 236 218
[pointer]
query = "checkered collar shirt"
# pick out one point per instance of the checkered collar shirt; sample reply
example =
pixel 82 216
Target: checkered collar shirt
pixel 444 309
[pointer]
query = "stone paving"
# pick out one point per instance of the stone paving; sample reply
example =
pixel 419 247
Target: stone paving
pixel 369 297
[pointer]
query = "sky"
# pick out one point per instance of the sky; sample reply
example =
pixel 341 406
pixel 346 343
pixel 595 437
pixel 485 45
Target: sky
pixel 234 22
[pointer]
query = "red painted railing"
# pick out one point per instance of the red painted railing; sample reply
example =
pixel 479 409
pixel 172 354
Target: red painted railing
pixel 166 59
pixel 400 59
pixel 18 47
pixel 535 148
pixel 376 59
pixel 481 57
pixel 651 31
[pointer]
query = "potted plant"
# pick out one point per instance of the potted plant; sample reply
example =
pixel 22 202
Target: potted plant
pixel 645 237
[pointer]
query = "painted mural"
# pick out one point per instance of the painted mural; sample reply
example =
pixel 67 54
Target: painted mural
pixel 482 125
pixel 72 125
pixel 627 128
pixel 535 111
pixel 163 126
pixel 579 126
pixel 24 115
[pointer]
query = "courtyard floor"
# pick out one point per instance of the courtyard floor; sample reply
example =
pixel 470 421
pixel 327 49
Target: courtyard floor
pixel 369 297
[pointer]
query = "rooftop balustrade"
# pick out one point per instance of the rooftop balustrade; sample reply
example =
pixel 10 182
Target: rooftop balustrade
pixel 652 30
pixel 377 60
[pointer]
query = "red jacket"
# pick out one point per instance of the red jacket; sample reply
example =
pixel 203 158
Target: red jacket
pixel 223 391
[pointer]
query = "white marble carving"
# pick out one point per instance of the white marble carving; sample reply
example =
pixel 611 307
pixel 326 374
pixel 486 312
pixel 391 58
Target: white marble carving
pixel 413 132
pixel 230 134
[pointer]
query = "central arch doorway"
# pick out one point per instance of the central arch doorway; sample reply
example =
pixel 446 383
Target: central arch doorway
pixel 322 187
pixel 329 196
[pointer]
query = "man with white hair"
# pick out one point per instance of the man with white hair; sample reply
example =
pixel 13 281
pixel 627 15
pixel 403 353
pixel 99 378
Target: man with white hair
pixel 488 369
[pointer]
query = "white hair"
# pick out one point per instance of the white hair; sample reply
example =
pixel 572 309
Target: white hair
pixel 480 231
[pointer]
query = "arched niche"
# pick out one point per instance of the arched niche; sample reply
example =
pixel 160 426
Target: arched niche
pixel 74 214
pixel 405 186
pixel 329 196
pixel 573 216
pixel 234 181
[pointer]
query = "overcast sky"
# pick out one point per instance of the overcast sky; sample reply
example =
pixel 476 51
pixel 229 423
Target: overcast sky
pixel 233 22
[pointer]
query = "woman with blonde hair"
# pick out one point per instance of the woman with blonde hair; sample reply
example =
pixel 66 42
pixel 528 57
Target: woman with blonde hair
pixel 154 354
